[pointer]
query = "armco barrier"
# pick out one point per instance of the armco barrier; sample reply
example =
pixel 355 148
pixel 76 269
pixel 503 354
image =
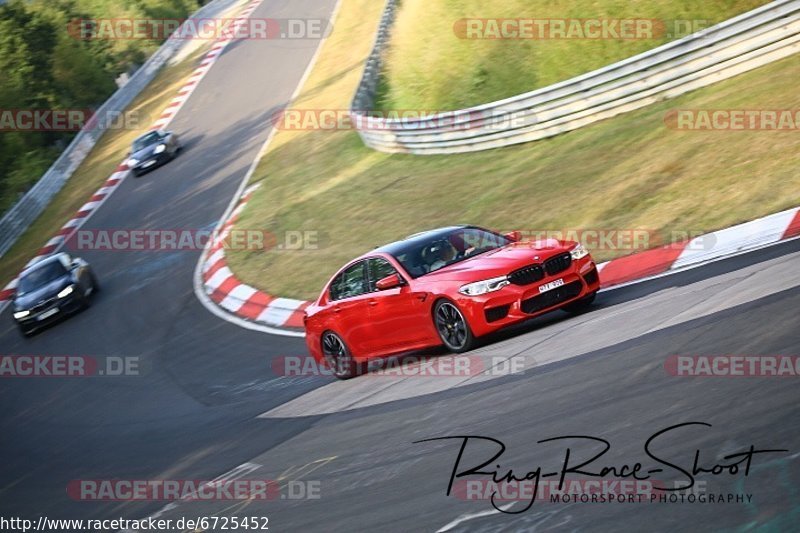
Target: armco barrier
pixel 738 45
pixel 22 214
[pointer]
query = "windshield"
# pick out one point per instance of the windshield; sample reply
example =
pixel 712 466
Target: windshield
pixel 435 250
pixel 146 140
pixel 41 276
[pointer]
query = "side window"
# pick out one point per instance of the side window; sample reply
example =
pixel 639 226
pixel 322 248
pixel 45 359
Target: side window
pixel 335 291
pixel 351 282
pixel 378 269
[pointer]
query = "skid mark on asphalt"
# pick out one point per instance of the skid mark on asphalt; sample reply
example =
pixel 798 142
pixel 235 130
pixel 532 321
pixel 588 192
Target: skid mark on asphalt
pixel 554 520
pixel 292 473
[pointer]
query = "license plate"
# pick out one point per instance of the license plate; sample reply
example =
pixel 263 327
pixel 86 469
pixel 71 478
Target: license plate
pixel 550 286
pixel 149 163
pixel 48 313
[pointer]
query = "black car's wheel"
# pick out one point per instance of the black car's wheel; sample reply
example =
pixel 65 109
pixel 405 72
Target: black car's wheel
pixel 25 332
pixel 582 305
pixel 95 284
pixel 85 300
pixel 452 327
pixel 338 356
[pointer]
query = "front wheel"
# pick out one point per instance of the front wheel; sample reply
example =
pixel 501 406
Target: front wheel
pixel 95 284
pixel 452 327
pixel 338 356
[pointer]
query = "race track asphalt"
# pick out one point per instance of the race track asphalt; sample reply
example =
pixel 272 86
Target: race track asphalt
pixel 372 475
pixel 204 375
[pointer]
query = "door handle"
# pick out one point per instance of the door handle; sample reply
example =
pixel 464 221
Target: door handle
pixel 337 309
pixel 373 302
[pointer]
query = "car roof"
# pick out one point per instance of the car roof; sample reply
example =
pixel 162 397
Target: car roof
pixel 145 134
pixel 394 247
pixel 42 262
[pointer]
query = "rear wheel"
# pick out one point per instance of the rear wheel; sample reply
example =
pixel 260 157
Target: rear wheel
pixel 582 305
pixel 338 356
pixel 452 327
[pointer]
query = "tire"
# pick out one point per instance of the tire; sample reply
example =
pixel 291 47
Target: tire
pixel 86 301
pixel 338 357
pixel 95 285
pixel 582 305
pixel 25 332
pixel 452 327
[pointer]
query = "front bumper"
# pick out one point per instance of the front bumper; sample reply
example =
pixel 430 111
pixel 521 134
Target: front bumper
pixel 50 311
pixel 515 303
pixel 151 163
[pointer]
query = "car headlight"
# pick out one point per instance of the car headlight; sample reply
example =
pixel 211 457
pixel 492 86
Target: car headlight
pixel 66 291
pixel 133 162
pixel 160 148
pixel 579 252
pixel 482 287
pixel 21 314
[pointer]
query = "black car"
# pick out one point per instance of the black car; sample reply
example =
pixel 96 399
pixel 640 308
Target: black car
pixel 152 149
pixel 54 287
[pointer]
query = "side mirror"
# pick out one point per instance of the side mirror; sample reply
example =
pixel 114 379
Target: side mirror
pixel 389 282
pixel 513 236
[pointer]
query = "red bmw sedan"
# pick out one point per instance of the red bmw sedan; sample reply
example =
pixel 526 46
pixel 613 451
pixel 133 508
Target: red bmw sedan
pixel 447 287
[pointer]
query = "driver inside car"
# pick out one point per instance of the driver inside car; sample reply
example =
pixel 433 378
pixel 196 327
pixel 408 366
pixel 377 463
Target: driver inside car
pixel 444 252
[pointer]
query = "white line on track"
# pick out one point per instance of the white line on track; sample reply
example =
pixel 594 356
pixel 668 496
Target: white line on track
pixel 467 517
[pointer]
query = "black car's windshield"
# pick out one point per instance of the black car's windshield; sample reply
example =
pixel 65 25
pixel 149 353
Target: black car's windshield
pixel 41 276
pixel 433 250
pixel 146 140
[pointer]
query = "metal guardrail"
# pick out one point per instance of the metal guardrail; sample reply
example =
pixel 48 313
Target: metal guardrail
pixel 23 213
pixel 745 42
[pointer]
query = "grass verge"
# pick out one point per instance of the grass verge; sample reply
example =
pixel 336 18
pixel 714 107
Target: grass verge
pixel 629 172
pixel 428 57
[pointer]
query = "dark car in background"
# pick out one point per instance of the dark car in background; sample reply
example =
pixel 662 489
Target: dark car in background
pixel 52 288
pixel 151 150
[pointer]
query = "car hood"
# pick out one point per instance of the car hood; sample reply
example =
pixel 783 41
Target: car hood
pixel 29 299
pixel 145 152
pixel 500 261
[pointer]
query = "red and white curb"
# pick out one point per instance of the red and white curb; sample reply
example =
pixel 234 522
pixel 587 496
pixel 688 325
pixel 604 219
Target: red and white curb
pixel 241 299
pixel 703 249
pixel 259 307
pixel 111 184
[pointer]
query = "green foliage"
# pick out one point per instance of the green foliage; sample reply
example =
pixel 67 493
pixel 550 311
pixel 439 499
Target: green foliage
pixel 45 66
